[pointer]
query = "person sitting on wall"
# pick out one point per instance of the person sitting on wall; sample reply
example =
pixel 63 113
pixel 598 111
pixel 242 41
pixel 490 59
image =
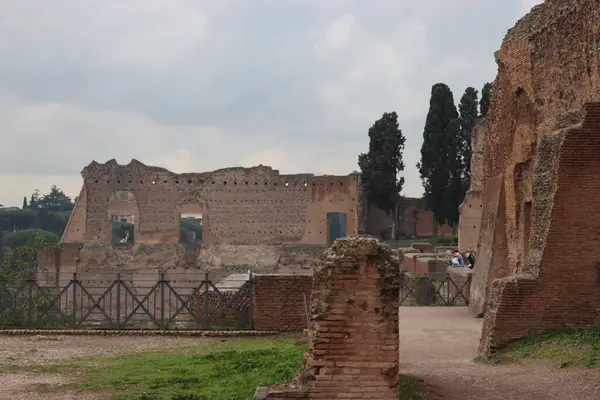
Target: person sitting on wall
pixel 454 261
pixel 470 260
pixel 456 254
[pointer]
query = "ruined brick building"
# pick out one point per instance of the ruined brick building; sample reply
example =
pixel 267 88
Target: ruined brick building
pixel 252 218
pixel 538 244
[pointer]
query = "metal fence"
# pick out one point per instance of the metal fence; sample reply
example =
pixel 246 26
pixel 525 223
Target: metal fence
pixel 434 290
pixel 118 302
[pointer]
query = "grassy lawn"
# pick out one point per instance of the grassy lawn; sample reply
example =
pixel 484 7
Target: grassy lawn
pixel 212 370
pixel 566 347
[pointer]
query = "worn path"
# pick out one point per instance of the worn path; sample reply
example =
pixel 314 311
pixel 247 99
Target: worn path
pixel 438 344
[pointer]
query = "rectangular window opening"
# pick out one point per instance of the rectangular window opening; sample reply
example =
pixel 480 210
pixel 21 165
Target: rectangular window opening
pixel 123 229
pixel 190 228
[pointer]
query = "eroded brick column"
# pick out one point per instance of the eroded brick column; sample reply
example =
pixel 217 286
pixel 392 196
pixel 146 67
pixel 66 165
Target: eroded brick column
pixel 353 335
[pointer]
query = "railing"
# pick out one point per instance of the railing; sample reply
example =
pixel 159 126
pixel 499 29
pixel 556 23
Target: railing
pixel 119 302
pixel 434 290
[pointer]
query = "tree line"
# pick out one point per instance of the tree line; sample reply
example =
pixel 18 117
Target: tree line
pixel 446 153
pixel 41 214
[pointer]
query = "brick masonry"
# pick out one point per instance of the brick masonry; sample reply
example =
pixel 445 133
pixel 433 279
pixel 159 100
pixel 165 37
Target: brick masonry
pixel 353 335
pixel 238 205
pixel 560 282
pixel 548 70
pixel 278 302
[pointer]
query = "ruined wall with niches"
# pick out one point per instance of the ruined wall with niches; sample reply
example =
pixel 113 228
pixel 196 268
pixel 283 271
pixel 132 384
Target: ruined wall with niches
pixel 551 290
pixel 278 302
pixel 238 205
pixel 548 69
pixel 353 332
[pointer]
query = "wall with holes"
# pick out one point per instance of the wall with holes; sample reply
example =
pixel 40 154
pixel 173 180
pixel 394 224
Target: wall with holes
pixel 238 205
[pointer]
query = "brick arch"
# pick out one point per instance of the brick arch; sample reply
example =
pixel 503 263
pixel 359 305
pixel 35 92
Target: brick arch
pixel 120 203
pixel 194 204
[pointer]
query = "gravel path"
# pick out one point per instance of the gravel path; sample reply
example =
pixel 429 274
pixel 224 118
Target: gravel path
pixel 438 344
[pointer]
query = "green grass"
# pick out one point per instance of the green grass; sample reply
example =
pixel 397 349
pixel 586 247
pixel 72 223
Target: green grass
pixel 566 347
pixel 214 370
pixel 408 389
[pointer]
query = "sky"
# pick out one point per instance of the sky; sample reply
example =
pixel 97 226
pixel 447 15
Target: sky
pixel 197 85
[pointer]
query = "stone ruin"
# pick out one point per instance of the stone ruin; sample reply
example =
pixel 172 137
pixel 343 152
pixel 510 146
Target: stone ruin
pixel 353 331
pixel 252 219
pixel 538 249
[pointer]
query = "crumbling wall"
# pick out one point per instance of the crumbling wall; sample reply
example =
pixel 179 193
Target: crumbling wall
pixel 353 334
pixel 177 261
pixel 415 220
pixel 278 302
pixel 548 70
pixel 471 209
pixel 238 205
pixel 559 284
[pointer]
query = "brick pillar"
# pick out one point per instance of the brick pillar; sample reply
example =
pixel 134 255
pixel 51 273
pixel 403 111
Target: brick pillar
pixel 353 335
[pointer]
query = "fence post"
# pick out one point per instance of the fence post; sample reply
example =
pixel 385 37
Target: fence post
pixel 206 308
pixel 468 287
pixel 162 301
pixel 118 300
pixel 250 323
pixel 30 283
pixel 74 300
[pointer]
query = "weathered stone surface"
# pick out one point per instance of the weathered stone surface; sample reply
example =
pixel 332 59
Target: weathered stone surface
pixel 353 334
pixel 540 186
pixel 238 205
pixel 471 209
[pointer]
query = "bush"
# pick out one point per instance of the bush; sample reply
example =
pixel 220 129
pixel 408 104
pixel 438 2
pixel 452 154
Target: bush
pixel 28 236
pixel 20 301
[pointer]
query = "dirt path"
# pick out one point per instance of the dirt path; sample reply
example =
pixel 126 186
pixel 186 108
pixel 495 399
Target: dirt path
pixel 438 344
pixel 27 350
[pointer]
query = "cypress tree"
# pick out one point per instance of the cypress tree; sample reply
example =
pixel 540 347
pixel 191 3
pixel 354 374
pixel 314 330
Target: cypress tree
pixel 383 162
pixel 486 96
pixel 468 118
pixel 438 151
pixel 24 203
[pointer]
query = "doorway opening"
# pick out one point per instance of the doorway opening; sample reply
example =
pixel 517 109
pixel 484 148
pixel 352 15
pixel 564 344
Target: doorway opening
pixel 336 226
pixel 190 228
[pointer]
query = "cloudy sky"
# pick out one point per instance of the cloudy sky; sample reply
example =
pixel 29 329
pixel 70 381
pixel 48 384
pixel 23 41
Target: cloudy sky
pixel 196 85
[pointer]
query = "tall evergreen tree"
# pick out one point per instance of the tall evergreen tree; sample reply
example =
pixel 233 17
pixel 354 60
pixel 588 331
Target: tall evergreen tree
pixel 24 203
pixel 455 192
pixel 33 202
pixel 383 162
pixel 486 96
pixel 469 115
pixel 55 200
pixel 437 150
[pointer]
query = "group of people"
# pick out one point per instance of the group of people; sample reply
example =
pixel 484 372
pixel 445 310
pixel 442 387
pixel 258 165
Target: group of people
pixel 456 259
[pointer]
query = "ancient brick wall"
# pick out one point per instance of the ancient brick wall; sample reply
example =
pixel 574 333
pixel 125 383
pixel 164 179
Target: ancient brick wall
pixel 353 335
pixel 238 205
pixel 548 69
pixel 415 220
pixel 278 302
pixel 471 209
pixel 560 282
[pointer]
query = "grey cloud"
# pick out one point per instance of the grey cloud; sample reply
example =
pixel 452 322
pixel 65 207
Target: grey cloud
pixel 152 77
